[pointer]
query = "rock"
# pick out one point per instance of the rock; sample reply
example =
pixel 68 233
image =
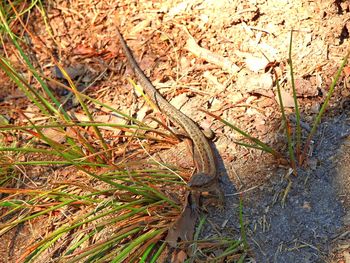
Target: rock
pixel 287 99
pixel 304 88
pixel 255 64
pixel 256 83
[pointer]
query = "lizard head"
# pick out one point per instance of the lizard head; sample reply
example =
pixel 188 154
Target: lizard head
pixel 200 180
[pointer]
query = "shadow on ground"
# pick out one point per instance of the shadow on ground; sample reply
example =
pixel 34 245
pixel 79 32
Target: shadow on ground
pixel 313 215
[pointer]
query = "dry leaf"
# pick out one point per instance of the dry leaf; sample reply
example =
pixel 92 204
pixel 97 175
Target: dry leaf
pixel 54 134
pixel 179 257
pixel 183 228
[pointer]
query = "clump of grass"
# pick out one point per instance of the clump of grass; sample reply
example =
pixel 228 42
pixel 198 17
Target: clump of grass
pixel 11 12
pixel 125 207
pixel 126 199
pixel 297 150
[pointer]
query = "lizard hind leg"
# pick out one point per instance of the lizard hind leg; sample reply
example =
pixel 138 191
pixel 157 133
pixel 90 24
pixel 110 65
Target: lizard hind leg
pixel 204 183
pixel 216 197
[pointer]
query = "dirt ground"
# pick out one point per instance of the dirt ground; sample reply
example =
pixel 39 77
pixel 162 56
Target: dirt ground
pixel 214 55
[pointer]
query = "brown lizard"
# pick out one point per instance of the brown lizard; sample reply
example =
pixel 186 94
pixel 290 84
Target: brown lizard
pixel 206 177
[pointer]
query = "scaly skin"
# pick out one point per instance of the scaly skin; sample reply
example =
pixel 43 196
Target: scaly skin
pixel 206 178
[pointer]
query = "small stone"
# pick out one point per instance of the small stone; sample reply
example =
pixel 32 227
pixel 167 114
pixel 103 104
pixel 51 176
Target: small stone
pixel 256 83
pixel 255 64
pixel 304 88
pixel 315 108
pixel 307 205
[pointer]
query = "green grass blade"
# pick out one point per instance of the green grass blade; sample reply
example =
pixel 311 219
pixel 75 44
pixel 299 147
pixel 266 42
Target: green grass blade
pixel 263 146
pixel 26 59
pixel 97 251
pixel 296 106
pixel 42 248
pixel 253 146
pixel 135 243
pixel 324 105
pixel 23 85
pixel 97 102
pixel 147 253
pixel 39 213
pixel 242 225
pixel 86 111
pixel 158 253
pixel 286 125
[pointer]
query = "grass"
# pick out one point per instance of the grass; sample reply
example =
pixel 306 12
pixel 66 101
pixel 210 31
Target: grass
pixel 121 197
pixel 297 150
pixel 102 201
pixel 11 12
pixel 120 194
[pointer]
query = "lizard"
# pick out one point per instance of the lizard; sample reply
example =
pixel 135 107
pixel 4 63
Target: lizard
pixel 206 176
